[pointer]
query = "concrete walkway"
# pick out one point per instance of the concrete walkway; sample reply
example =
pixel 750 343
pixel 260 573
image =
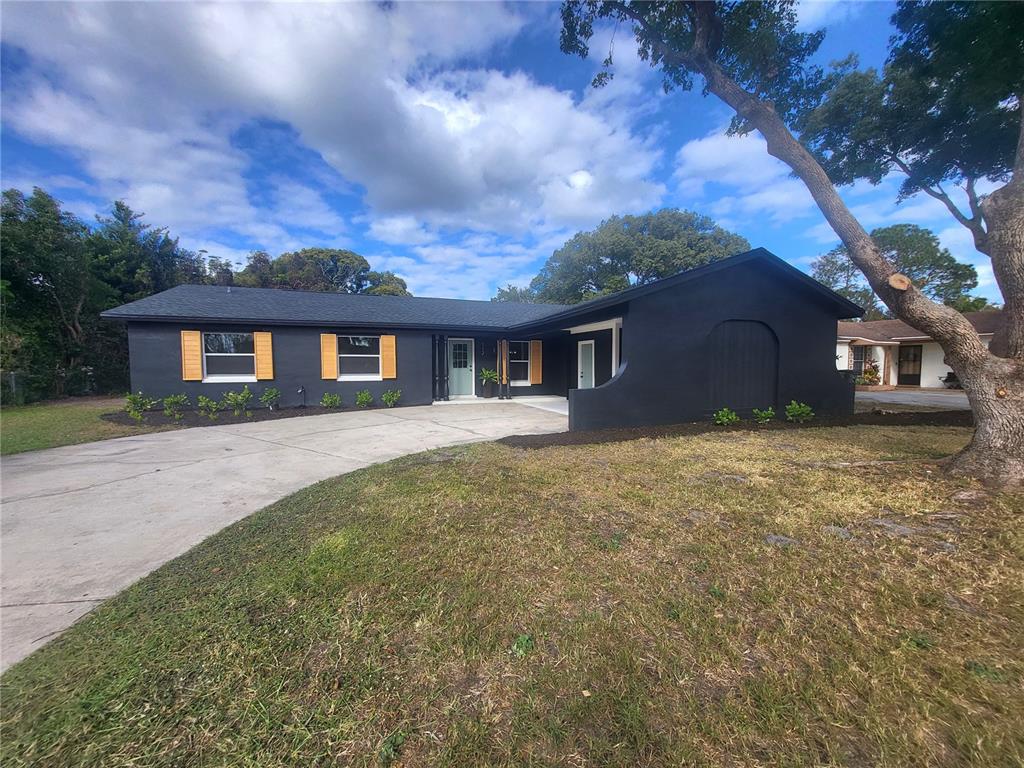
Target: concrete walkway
pixel 947 399
pixel 83 522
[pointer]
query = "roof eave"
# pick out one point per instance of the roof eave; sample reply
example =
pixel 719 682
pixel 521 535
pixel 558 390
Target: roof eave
pixel 263 321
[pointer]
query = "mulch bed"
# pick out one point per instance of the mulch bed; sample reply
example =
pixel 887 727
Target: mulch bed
pixel 196 419
pixel 879 418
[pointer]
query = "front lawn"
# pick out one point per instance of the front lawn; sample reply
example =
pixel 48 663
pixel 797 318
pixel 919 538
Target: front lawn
pixel 63 422
pixel 798 597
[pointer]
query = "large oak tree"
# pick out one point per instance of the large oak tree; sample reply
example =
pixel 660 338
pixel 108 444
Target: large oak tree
pixel 948 110
pixel 627 250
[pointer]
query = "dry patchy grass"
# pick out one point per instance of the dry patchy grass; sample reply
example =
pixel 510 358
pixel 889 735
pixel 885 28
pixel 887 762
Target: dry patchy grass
pixel 63 422
pixel 616 604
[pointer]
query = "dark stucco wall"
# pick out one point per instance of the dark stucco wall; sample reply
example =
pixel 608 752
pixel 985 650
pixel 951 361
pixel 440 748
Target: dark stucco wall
pixel 155 354
pixel 552 363
pixel 664 377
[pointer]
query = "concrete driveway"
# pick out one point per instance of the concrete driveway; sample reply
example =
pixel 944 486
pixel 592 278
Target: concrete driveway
pixel 946 399
pixel 83 522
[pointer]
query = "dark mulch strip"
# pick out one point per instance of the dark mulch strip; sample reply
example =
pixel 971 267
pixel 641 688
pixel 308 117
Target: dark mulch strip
pixel 196 419
pixel 918 419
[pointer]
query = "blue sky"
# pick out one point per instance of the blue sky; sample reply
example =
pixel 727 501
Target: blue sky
pixel 452 143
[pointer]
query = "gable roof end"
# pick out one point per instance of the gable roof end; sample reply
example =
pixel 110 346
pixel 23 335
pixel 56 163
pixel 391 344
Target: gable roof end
pixel 843 306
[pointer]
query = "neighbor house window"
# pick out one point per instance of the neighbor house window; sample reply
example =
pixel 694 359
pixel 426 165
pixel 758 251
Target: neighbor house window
pixel 359 358
pixel 519 363
pixel 229 357
pixel 859 355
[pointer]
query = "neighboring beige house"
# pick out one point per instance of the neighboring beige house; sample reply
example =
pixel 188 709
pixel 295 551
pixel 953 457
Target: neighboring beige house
pixel 905 356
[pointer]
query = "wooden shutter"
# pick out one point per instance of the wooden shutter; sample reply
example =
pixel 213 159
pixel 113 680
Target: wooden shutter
pixel 503 361
pixel 264 346
pixel 536 362
pixel 329 356
pixel 388 358
pixel 191 356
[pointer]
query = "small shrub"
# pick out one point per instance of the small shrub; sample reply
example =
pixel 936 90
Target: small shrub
pixel 137 404
pixel 391 747
pixel 488 375
pixel 390 397
pixel 798 412
pixel 522 646
pixel 985 671
pixel 363 398
pixel 174 405
pixel 613 543
pixel 763 417
pixel 920 641
pixel 725 416
pixel 209 407
pixel 238 402
pixel 271 397
pixel 870 374
pixel 331 400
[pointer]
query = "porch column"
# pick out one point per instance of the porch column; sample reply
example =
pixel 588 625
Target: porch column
pixel 444 368
pixel 503 388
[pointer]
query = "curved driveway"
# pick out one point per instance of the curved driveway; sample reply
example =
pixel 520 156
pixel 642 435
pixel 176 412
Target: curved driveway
pixel 81 523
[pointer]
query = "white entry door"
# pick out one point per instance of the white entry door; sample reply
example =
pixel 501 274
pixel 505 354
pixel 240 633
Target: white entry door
pixel 585 365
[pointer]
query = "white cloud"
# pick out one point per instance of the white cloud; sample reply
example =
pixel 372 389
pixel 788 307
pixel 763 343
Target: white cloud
pixel 750 182
pixel 148 99
pixel 400 230
pixel 815 14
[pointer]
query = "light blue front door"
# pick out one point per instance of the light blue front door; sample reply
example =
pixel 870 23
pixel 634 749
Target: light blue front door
pixel 460 367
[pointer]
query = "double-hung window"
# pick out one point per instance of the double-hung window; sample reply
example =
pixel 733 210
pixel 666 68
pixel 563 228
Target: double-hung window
pixel 229 357
pixel 359 358
pixel 519 363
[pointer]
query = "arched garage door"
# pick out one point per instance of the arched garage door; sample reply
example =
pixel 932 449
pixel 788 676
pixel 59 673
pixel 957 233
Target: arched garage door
pixel 744 365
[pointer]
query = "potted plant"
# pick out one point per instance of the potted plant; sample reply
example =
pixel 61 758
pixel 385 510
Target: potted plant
pixel 488 377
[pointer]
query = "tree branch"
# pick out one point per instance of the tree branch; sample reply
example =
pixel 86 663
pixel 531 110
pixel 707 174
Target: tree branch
pixel 974 223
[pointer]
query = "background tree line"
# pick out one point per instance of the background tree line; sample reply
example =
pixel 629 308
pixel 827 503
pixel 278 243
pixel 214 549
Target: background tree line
pixel 633 250
pixel 57 274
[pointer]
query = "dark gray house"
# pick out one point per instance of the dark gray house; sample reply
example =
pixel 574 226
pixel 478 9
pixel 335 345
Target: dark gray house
pixel 745 332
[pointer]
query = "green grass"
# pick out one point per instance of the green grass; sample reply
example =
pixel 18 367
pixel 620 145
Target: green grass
pixel 62 422
pixel 594 605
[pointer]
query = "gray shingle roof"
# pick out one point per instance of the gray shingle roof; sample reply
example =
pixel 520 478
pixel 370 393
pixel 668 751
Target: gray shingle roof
pixel 279 306
pixel 276 306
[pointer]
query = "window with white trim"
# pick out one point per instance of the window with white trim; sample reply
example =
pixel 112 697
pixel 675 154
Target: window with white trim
pixel 229 357
pixel 519 363
pixel 359 358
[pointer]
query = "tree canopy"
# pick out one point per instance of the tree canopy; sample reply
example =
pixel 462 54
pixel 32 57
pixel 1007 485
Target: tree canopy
pixel 319 269
pixel 515 294
pixel 944 110
pixel 630 250
pixel 916 253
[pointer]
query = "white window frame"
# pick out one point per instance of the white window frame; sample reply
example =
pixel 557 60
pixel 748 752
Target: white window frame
pixel 359 376
pixel 228 378
pixel 519 382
